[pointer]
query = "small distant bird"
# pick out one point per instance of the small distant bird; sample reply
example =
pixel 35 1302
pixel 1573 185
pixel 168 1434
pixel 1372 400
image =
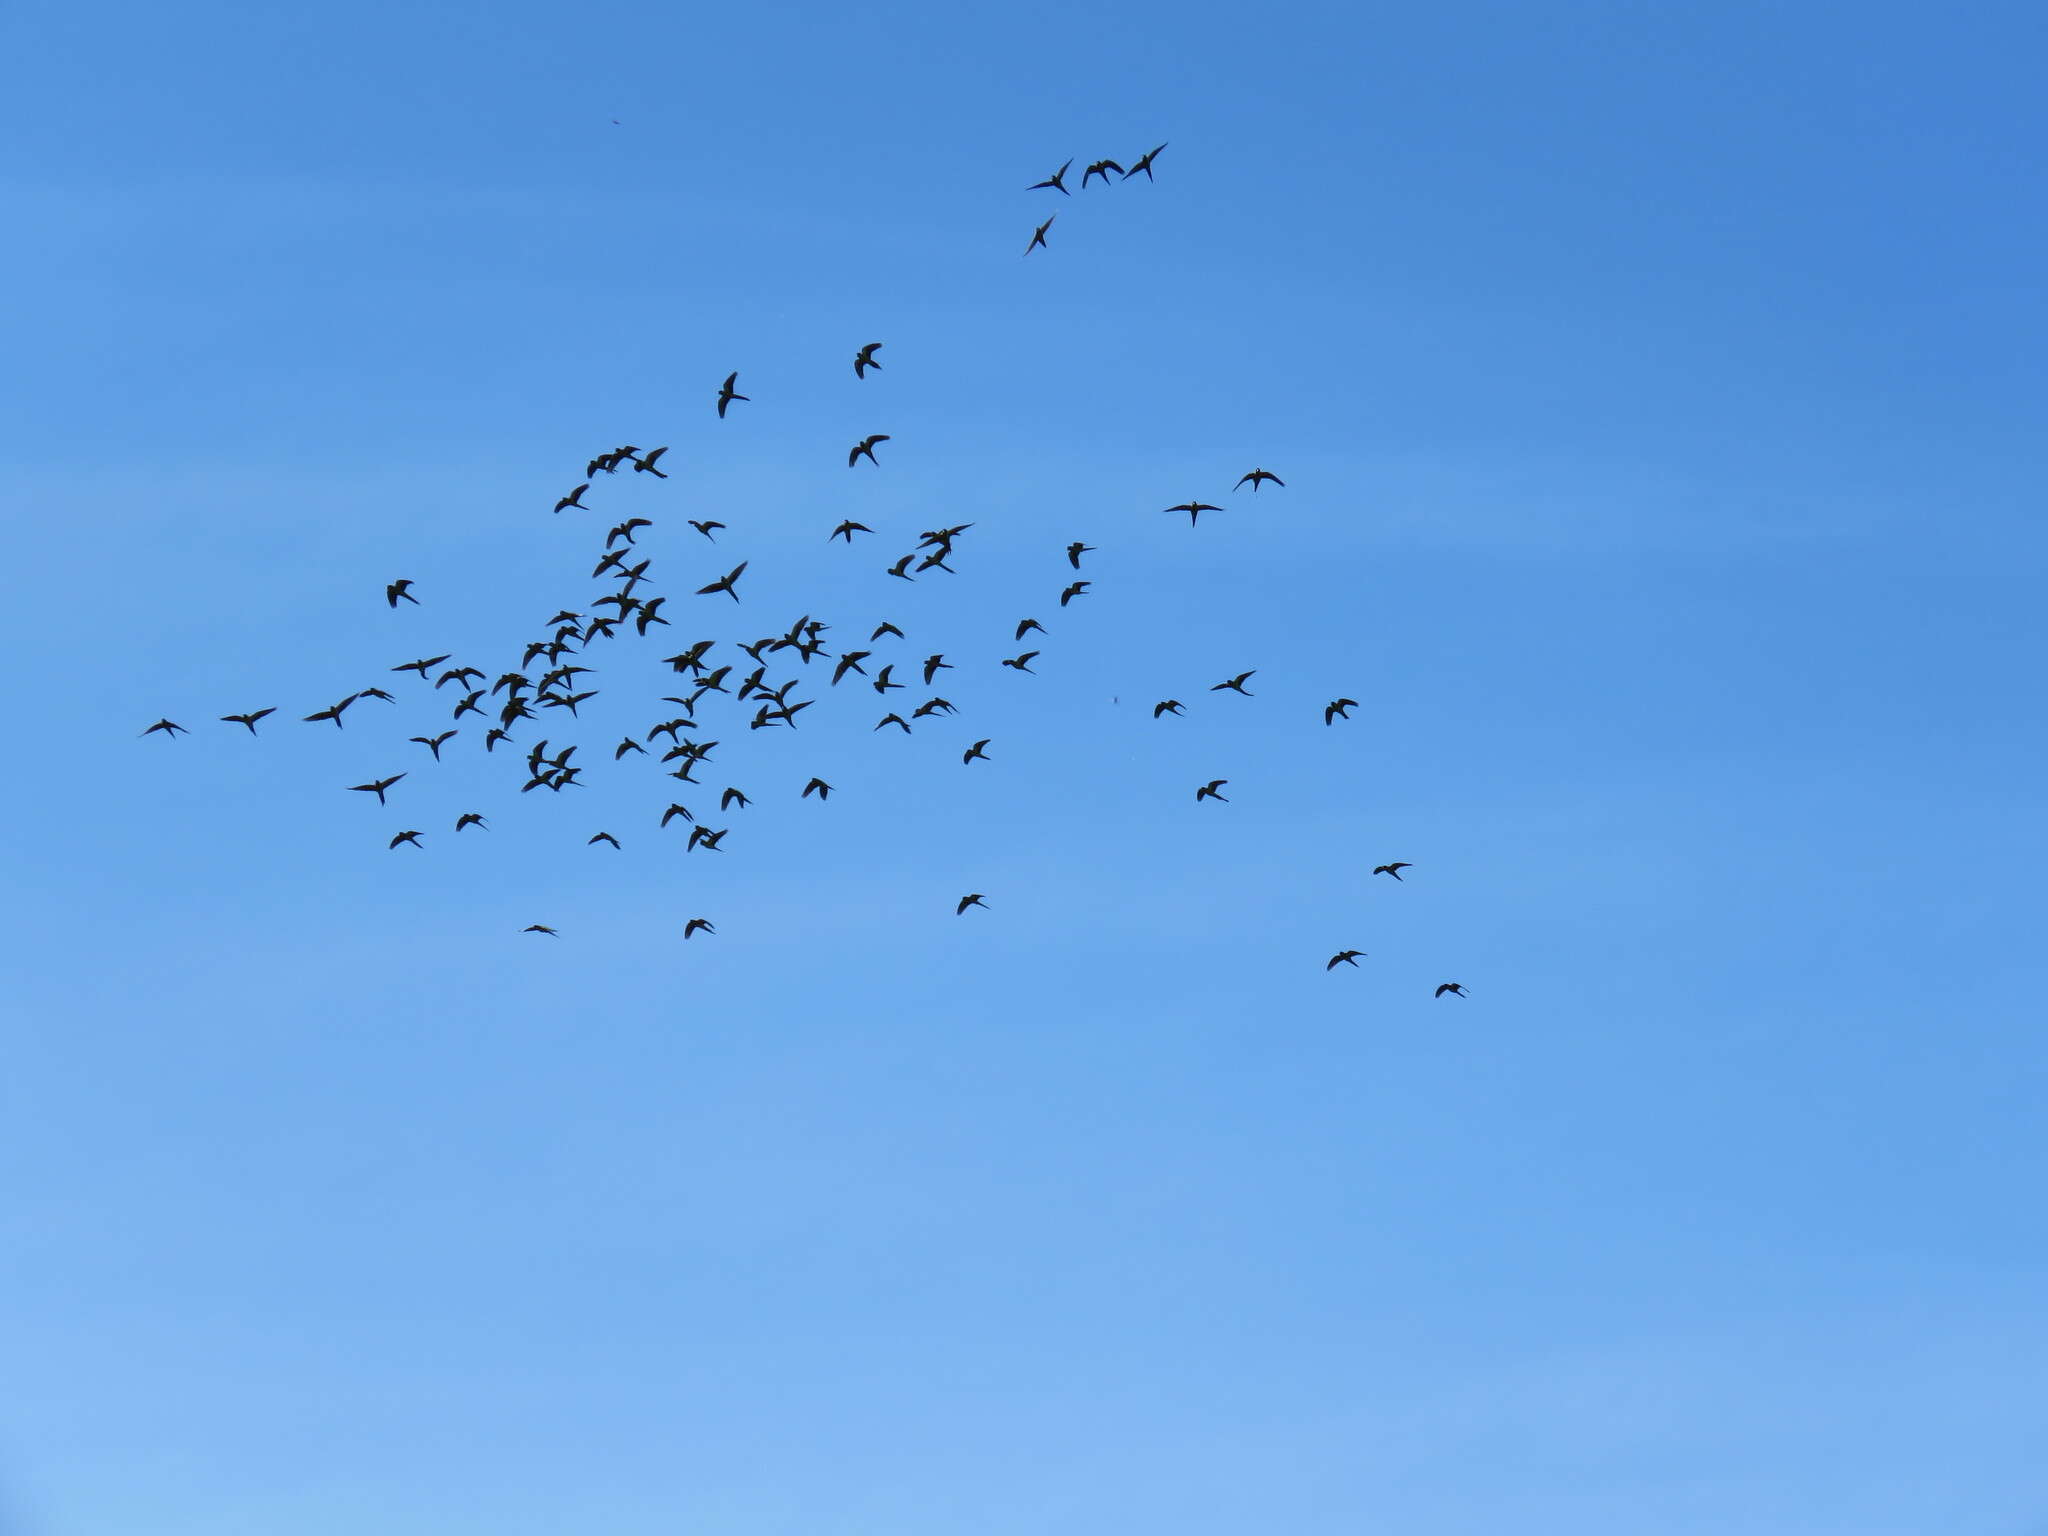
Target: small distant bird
pixel 421 665
pixel 1074 590
pixel 1057 181
pixel 404 837
pixel 850 661
pixel 902 568
pixel 824 790
pixel 847 530
pixel 893 719
pixel 731 798
pixel 1143 163
pixel 1167 707
pixel 867 446
pixel 377 786
pixel 1100 168
pixel 973 900
pixel 1338 709
pixel 975 751
pixel 540 928
pixel 399 589
pixel 471 819
pixel 725 583
pixel 1236 684
pixel 1038 236
pixel 645 464
pixel 574 499
pixel 1393 869
pixel 935 664
pixel 433 743
pixel 1022 626
pixel 674 811
pixel 603 837
pixel 884 628
pixel 697 925
pixel 1076 550
pixel 170 728
pixel 622 531
pixel 1258 475
pixel 1451 987
pixel 864 359
pixel 706 527
pixel 248 720
pixel 493 736
pixel 1194 510
pixel 726 395
pixel 1345 956
pixel 1208 791
pixel 1021 663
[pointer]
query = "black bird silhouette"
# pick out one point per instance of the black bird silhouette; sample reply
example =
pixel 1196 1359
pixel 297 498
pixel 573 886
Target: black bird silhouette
pixel 1346 957
pixel 850 661
pixel 460 675
pixel 884 628
pixel 1057 181
pixel 881 683
pixel 725 583
pixel 893 719
pixel 433 743
pixel 646 465
pixel 377 786
pixel 847 530
pixel 867 446
pixel 405 837
pixel 935 664
pixel 170 728
pixel 1451 987
pixel 421 665
pixel 399 589
pixel 733 797
pixel 1168 707
pixel 824 790
pixel 493 736
pixel 1038 236
pixel 936 558
pixel 972 900
pixel 1338 709
pixel 603 837
pixel 622 531
pixel 1074 590
pixel 726 396
pixel 331 712
pixel 1143 163
pixel 574 499
pixel 471 819
pixel 1208 791
pixel 1022 626
pixel 625 746
pixel 249 720
pixel 975 751
pixel 1194 510
pixel 697 925
pixel 1100 168
pixel 1021 663
pixel 1236 684
pixel 1076 550
pixel 468 706
pixel 864 359
pixel 705 527
pixel 1393 869
pixel 674 811
pixel 1258 475
pixel 902 568
pixel 540 928
pixel 932 706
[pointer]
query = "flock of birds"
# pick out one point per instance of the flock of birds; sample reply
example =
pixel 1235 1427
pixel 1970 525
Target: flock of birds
pixel 515 697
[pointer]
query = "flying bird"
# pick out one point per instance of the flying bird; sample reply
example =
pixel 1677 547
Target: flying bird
pixel 646 465
pixel 1236 684
pixel 539 928
pixel 902 568
pixel 893 719
pixel 731 798
pixel 884 628
pixel 1258 475
pixel 622 531
pixel 1076 550
pixel 603 837
pixel 1143 163
pixel 399 589
pixel 574 499
pixel 867 446
pixel 1057 181
pixel 421 665
pixel 1393 869
pixel 1074 590
pixel 697 925
pixel 377 786
pixel 1346 957
pixel 1021 663
pixel 1022 626
pixel 1038 236
pixel 1451 987
pixel 1100 168
pixel 726 395
pixel 864 359
pixel 1194 510
pixel 169 728
pixel 706 527
pixel 471 819
pixel 1168 707
pixel 973 900
pixel 1338 709
pixel 847 530
pixel 249 720
pixel 404 837
pixel 1208 791
pixel 674 811
pixel 824 790
pixel 975 751
pixel 433 743
pixel 725 583
pixel 934 664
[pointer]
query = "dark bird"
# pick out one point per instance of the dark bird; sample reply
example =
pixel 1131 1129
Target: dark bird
pixel 628 745
pixel 433 743
pixel 973 900
pixel 603 837
pixel 882 683
pixel 932 706
pixel 1057 181
pixel 726 394
pixel 893 719
pixel 902 568
pixel 171 728
pixel 421 665
pixel 1451 987
pixel 1337 709
pixel 706 837
pixel 469 705
pixel 1076 550
pixel 1074 590
pixel 864 359
pixel 1194 510
pixel 399 589
pixel 1022 626
pixel 1143 163
pixel 1393 869
pixel 1208 791
pixel 331 712
pixel 574 499
pixel 650 613
pixel 850 661
pixel 725 583
pixel 248 720
pixel 377 786
pixel 622 531
pixel 1038 236
pixel 847 530
pixel 674 811
pixel 936 558
pixel 1344 957
pixel 540 928
pixel 1258 475
pixel 1021 663
pixel 975 751
pixel 646 465
pixel 460 675
pixel 493 736
pixel 824 790
pixel 376 693
pixel 706 527
pixel 471 819
pixel 404 837
pixel 1100 168
pixel 1167 707
pixel 935 664
pixel 733 797
pixel 1236 684
pixel 884 628
pixel 867 446
pixel 697 925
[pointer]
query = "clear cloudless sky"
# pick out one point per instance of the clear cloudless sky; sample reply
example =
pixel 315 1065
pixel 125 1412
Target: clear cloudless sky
pixel 1658 390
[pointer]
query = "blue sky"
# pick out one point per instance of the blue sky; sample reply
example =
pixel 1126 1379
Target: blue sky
pixel 1657 390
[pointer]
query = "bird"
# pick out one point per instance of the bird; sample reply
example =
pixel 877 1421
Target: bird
pixel 674 811
pixel 850 661
pixel 733 797
pixel 170 728
pixel 1022 626
pixel 646 465
pixel 824 790
pixel 1236 684
pixel 884 628
pixel 377 786
pixel 726 395
pixel 1344 956
pixel 1194 510
pixel 935 664
pixel 725 583
pixel 847 530
pixel 1038 236
pixel 893 719
pixel 1074 590
pixel 881 682
pixel 1057 181
pixel 1451 987
pixel 249 719
pixel 1076 550
pixel 603 837
pixel 1208 791
pixel 1168 707
pixel 420 666
pixel 902 568
pixel 1100 168
pixel 471 819
pixel 1258 475
pixel 540 928
pixel 574 499
pixel 399 589
pixel 1337 709
pixel 404 837
pixel 622 531
pixel 1143 163
pixel 867 446
pixel 1021 663
pixel 975 751
pixel 971 900
pixel 1393 869
pixel 433 743
pixel 697 925
pixel 864 359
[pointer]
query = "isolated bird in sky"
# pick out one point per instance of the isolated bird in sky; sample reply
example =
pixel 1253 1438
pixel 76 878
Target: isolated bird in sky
pixel 539 928
pixel 377 786
pixel 697 925
pixel 674 811
pixel 1236 684
pixel 1076 550
pixel 1143 163
pixel 399 589
pixel 471 819
pixel 1208 791
pixel 1101 168
pixel 726 394
pixel 975 751
pixel 1194 510
pixel 971 900
pixel 1338 709
pixel 1022 626
pixel 847 530
pixel 170 728
pixel 645 464
pixel 603 837
pixel 1393 869
pixel 1057 181
pixel 864 359
pixel 1038 236
pixel 733 797
pixel 574 499
pixel 884 628
pixel 249 719
pixel 823 790
pixel 725 583
pixel 1168 707
pixel 405 837
pixel 867 446
pixel 1451 987
pixel 433 743
pixel 1258 475
pixel 706 527
pixel 1021 663
pixel 893 719
pixel 1345 956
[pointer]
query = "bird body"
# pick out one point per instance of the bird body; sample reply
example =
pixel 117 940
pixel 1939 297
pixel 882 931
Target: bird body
pixel 1393 869
pixel 726 395
pixel 866 447
pixel 1257 476
pixel 1209 791
pixel 1346 957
